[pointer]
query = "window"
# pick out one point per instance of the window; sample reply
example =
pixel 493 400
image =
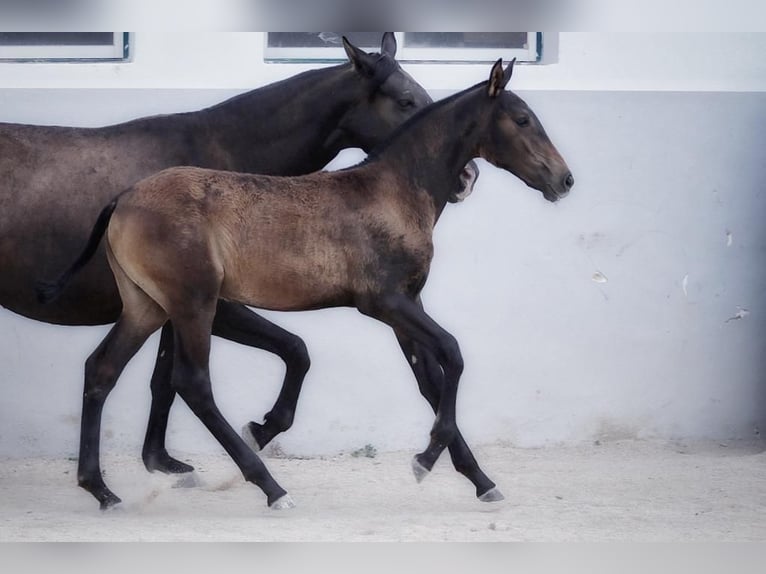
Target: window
pixel 455 47
pixel 64 46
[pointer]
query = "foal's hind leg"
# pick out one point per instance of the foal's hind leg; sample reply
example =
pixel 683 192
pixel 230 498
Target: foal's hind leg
pixel 140 318
pixel 191 380
pixel 154 452
pixel 429 376
pixel 237 323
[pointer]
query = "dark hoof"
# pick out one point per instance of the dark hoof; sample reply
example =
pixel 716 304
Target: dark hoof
pixel 252 434
pixel 173 466
pixel 108 500
pixel 419 470
pixel 492 495
pixel 166 464
pixel 284 502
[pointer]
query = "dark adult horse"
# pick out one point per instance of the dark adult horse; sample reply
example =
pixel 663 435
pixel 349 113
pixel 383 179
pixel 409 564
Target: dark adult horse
pixel 365 241
pixel 53 181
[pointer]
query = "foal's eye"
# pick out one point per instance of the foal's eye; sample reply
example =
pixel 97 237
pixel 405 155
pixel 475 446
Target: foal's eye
pixel 406 104
pixel 522 122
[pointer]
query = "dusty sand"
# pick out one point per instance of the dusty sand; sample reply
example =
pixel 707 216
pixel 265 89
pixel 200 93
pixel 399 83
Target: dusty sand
pixel 624 490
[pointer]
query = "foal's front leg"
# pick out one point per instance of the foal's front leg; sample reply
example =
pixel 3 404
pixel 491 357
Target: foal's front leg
pixel 429 376
pixel 409 319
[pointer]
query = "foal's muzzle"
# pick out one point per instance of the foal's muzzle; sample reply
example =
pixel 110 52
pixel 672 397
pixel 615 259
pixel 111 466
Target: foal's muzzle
pixel 554 193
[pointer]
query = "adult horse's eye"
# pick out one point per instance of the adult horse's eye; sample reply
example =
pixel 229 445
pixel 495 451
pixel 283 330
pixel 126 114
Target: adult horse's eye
pixel 406 104
pixel 522 122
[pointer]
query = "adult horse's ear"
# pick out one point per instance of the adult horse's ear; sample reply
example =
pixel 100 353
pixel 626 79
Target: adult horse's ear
pixel 508 73
pixel 499 78
pixel 364 63
pixel 388 44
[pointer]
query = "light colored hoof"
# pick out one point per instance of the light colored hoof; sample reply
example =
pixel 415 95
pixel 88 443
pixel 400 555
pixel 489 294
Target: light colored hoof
pixel 117 508
pixel 284 503
pixel 492 495
pixel 419 470
pixel 249 439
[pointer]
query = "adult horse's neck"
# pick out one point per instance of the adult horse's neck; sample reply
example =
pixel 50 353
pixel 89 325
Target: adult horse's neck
pixel 290 127
pixel 432 149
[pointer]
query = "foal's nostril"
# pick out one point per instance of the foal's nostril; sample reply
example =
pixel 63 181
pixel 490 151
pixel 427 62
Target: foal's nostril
pixel 568 181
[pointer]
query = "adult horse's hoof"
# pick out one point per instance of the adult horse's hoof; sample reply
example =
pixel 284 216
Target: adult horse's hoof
pixel 283 503
pixel 492 495
pixel 166 464
pixel 173 466
pixel 109 501
pixel 419 470
pixel 248 435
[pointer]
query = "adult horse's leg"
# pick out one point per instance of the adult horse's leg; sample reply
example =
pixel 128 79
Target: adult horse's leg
pixel 154 453
pixel 407 317
pixel 191 380
pixel 237 323
pixel 429 376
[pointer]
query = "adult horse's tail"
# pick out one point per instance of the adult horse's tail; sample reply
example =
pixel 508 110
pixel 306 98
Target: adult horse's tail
pixel 49 291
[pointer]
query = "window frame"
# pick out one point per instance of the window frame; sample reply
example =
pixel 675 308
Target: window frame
pixel 428 55
pixel 118 51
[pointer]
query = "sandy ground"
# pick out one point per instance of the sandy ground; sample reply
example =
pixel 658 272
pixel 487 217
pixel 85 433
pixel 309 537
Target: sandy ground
pixel 624 490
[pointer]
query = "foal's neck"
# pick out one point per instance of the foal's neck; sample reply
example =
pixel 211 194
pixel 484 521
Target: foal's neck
pixel 432 149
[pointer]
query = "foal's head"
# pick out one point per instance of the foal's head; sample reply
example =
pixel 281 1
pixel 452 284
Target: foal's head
pixel 391 97
pixel 517 142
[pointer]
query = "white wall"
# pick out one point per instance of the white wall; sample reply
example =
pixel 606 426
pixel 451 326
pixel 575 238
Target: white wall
pixel 669 160
pixel 665 61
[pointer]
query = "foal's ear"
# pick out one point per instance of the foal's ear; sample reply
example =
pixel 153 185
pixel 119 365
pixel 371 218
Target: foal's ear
pixel 388 44
pixel 364 63
pixel 499 78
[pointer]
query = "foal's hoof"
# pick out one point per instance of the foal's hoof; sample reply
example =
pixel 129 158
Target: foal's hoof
pixel 248 435
pixel 492 495
pixel 283 503
pixel 419 470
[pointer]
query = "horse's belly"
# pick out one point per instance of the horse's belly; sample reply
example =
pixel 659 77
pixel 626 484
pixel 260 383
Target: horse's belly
pixel 34 250
pixel 288 286
pixel 90 299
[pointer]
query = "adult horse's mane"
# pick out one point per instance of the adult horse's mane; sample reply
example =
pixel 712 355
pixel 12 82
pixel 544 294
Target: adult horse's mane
pixel 417 117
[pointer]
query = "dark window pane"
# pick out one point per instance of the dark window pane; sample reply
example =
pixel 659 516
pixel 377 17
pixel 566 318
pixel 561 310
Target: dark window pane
pixel 465 39
pixel 56 38
pixel 323 39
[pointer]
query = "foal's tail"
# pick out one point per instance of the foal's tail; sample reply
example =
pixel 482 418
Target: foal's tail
pixel 49 291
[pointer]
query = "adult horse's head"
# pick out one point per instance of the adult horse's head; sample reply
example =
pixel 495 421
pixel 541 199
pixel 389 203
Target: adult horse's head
pixel 391 95
pixel 517 142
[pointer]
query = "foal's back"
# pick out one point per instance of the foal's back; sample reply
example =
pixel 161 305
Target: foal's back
pixel 279 243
